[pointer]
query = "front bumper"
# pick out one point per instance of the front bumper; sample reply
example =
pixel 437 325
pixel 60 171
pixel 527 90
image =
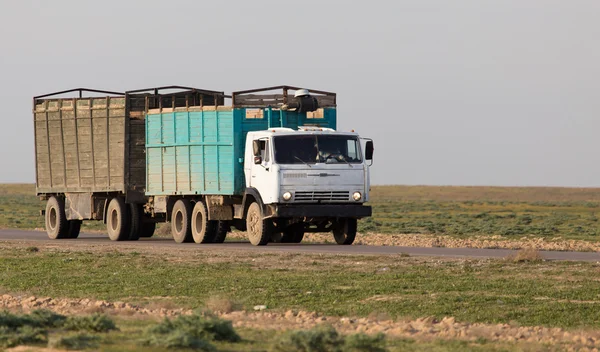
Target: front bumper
pixel 318 210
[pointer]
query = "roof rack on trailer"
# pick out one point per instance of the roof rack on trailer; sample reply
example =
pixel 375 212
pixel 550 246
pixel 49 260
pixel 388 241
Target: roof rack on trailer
pixel 80 90
pixel 156 97
pixel 249 98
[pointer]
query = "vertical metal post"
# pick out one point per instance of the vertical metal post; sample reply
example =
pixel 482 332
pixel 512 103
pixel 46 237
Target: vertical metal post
pixel 48 143
pixel 108 141
pixel 62 142
pixel 76 142
pixel 269 113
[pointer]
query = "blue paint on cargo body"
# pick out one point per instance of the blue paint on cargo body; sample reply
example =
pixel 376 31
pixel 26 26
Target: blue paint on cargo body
pixel 202 151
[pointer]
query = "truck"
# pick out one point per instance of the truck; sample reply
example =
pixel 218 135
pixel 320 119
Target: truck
pixel 271 164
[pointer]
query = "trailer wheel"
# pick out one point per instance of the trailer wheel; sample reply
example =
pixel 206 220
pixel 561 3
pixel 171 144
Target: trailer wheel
pixel 56 220
pixel 294 235
pixel 259 230
pixel 135 227
pixel 223 228
pixel 74 228
pixel 345 232
pixel 181 221
pixel 203 230
pixel 117 220
pixel 148 229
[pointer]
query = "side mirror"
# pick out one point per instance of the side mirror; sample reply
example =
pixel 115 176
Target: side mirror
pixel 257 160
pixel 256 147
pixel 369 150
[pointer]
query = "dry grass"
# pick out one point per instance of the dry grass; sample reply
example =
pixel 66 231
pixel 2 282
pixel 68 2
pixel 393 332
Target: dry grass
pixel 525 255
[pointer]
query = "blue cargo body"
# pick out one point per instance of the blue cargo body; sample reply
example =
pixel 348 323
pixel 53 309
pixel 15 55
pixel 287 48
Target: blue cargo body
pixel 201 150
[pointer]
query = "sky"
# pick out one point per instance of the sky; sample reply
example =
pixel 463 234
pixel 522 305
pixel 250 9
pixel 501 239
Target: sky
pixel 501 93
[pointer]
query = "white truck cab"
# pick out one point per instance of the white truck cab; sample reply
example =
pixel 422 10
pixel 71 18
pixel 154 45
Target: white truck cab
pixel 309 180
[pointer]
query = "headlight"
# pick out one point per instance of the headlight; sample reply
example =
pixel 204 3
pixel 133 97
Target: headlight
pixel 287 196
pixel 357 196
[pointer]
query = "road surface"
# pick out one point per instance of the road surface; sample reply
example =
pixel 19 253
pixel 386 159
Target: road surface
pixel 98 239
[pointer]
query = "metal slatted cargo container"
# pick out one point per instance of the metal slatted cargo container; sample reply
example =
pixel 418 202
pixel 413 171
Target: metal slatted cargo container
pixel 199 150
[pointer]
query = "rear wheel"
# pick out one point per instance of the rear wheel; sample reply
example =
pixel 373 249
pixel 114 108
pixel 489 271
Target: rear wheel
pixel 180 221
pixel 259 230
pixel 203 230
pixel 223 228
pixel 345 232
pixel 135 211
pixel 56 220
pixel 293 235
pixel 148 229
pixel 74 228
pixel 117 220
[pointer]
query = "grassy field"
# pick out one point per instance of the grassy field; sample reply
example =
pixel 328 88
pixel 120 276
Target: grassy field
pixel 548 294
pixel 510 212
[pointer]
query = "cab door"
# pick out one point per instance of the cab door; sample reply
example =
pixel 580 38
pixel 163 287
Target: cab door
pixel 263 172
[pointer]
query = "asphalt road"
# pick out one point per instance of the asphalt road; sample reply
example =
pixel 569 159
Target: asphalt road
pixel 97 239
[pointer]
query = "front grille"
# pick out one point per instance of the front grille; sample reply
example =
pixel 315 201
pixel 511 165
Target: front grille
pixel 328 196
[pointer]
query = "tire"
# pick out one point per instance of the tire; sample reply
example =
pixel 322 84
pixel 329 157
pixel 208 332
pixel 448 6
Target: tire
pixel 259 230
pixel 74 228
pixel 117 220
pixel 181 227
pixel 345 232
pixel 203 230
pixel 223 228
pixel 148 229
pixel 56 220
pixel 295 235
pixel 135 216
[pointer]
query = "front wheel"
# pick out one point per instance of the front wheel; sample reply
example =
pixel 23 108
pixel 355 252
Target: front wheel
pixel 345 232
pixel 259 230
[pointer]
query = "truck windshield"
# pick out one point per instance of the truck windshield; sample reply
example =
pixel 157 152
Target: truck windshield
pixel 302 149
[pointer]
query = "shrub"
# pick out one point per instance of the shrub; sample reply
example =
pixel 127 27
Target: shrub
pixel 40 318
pixel 95 322
pixel 322 338
pixel 24 335
pixel 76 342
pixel 190 331
pixel 325 338
pixel 364 343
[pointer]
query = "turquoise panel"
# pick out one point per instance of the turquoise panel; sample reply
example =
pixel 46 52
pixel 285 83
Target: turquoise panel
pixel 191 153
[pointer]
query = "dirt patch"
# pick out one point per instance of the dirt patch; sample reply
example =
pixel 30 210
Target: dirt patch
pixel 425 328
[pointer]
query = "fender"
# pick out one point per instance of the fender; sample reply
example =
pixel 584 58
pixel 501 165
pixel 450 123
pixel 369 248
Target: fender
pixel 253 192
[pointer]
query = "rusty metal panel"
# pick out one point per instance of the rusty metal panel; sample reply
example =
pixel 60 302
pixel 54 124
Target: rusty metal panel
pixel 78 206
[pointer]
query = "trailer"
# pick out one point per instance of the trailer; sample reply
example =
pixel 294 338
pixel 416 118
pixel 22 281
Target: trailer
pixel 90 156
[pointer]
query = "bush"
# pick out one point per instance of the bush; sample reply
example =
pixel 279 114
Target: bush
pixel 319 339
pixel 325 338
pixel 190 331
pixel 76 342
pixel 24 335
pixel 95 322
pixel 365 343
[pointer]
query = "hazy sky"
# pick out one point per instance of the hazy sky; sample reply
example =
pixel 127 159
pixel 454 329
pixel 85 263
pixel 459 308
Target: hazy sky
pixel 503 92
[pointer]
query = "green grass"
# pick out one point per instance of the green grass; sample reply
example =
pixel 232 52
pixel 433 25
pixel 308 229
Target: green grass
pixel 513 213
pixel 533 293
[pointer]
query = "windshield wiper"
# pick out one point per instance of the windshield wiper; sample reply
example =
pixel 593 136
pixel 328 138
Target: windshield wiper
pixel 307 164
